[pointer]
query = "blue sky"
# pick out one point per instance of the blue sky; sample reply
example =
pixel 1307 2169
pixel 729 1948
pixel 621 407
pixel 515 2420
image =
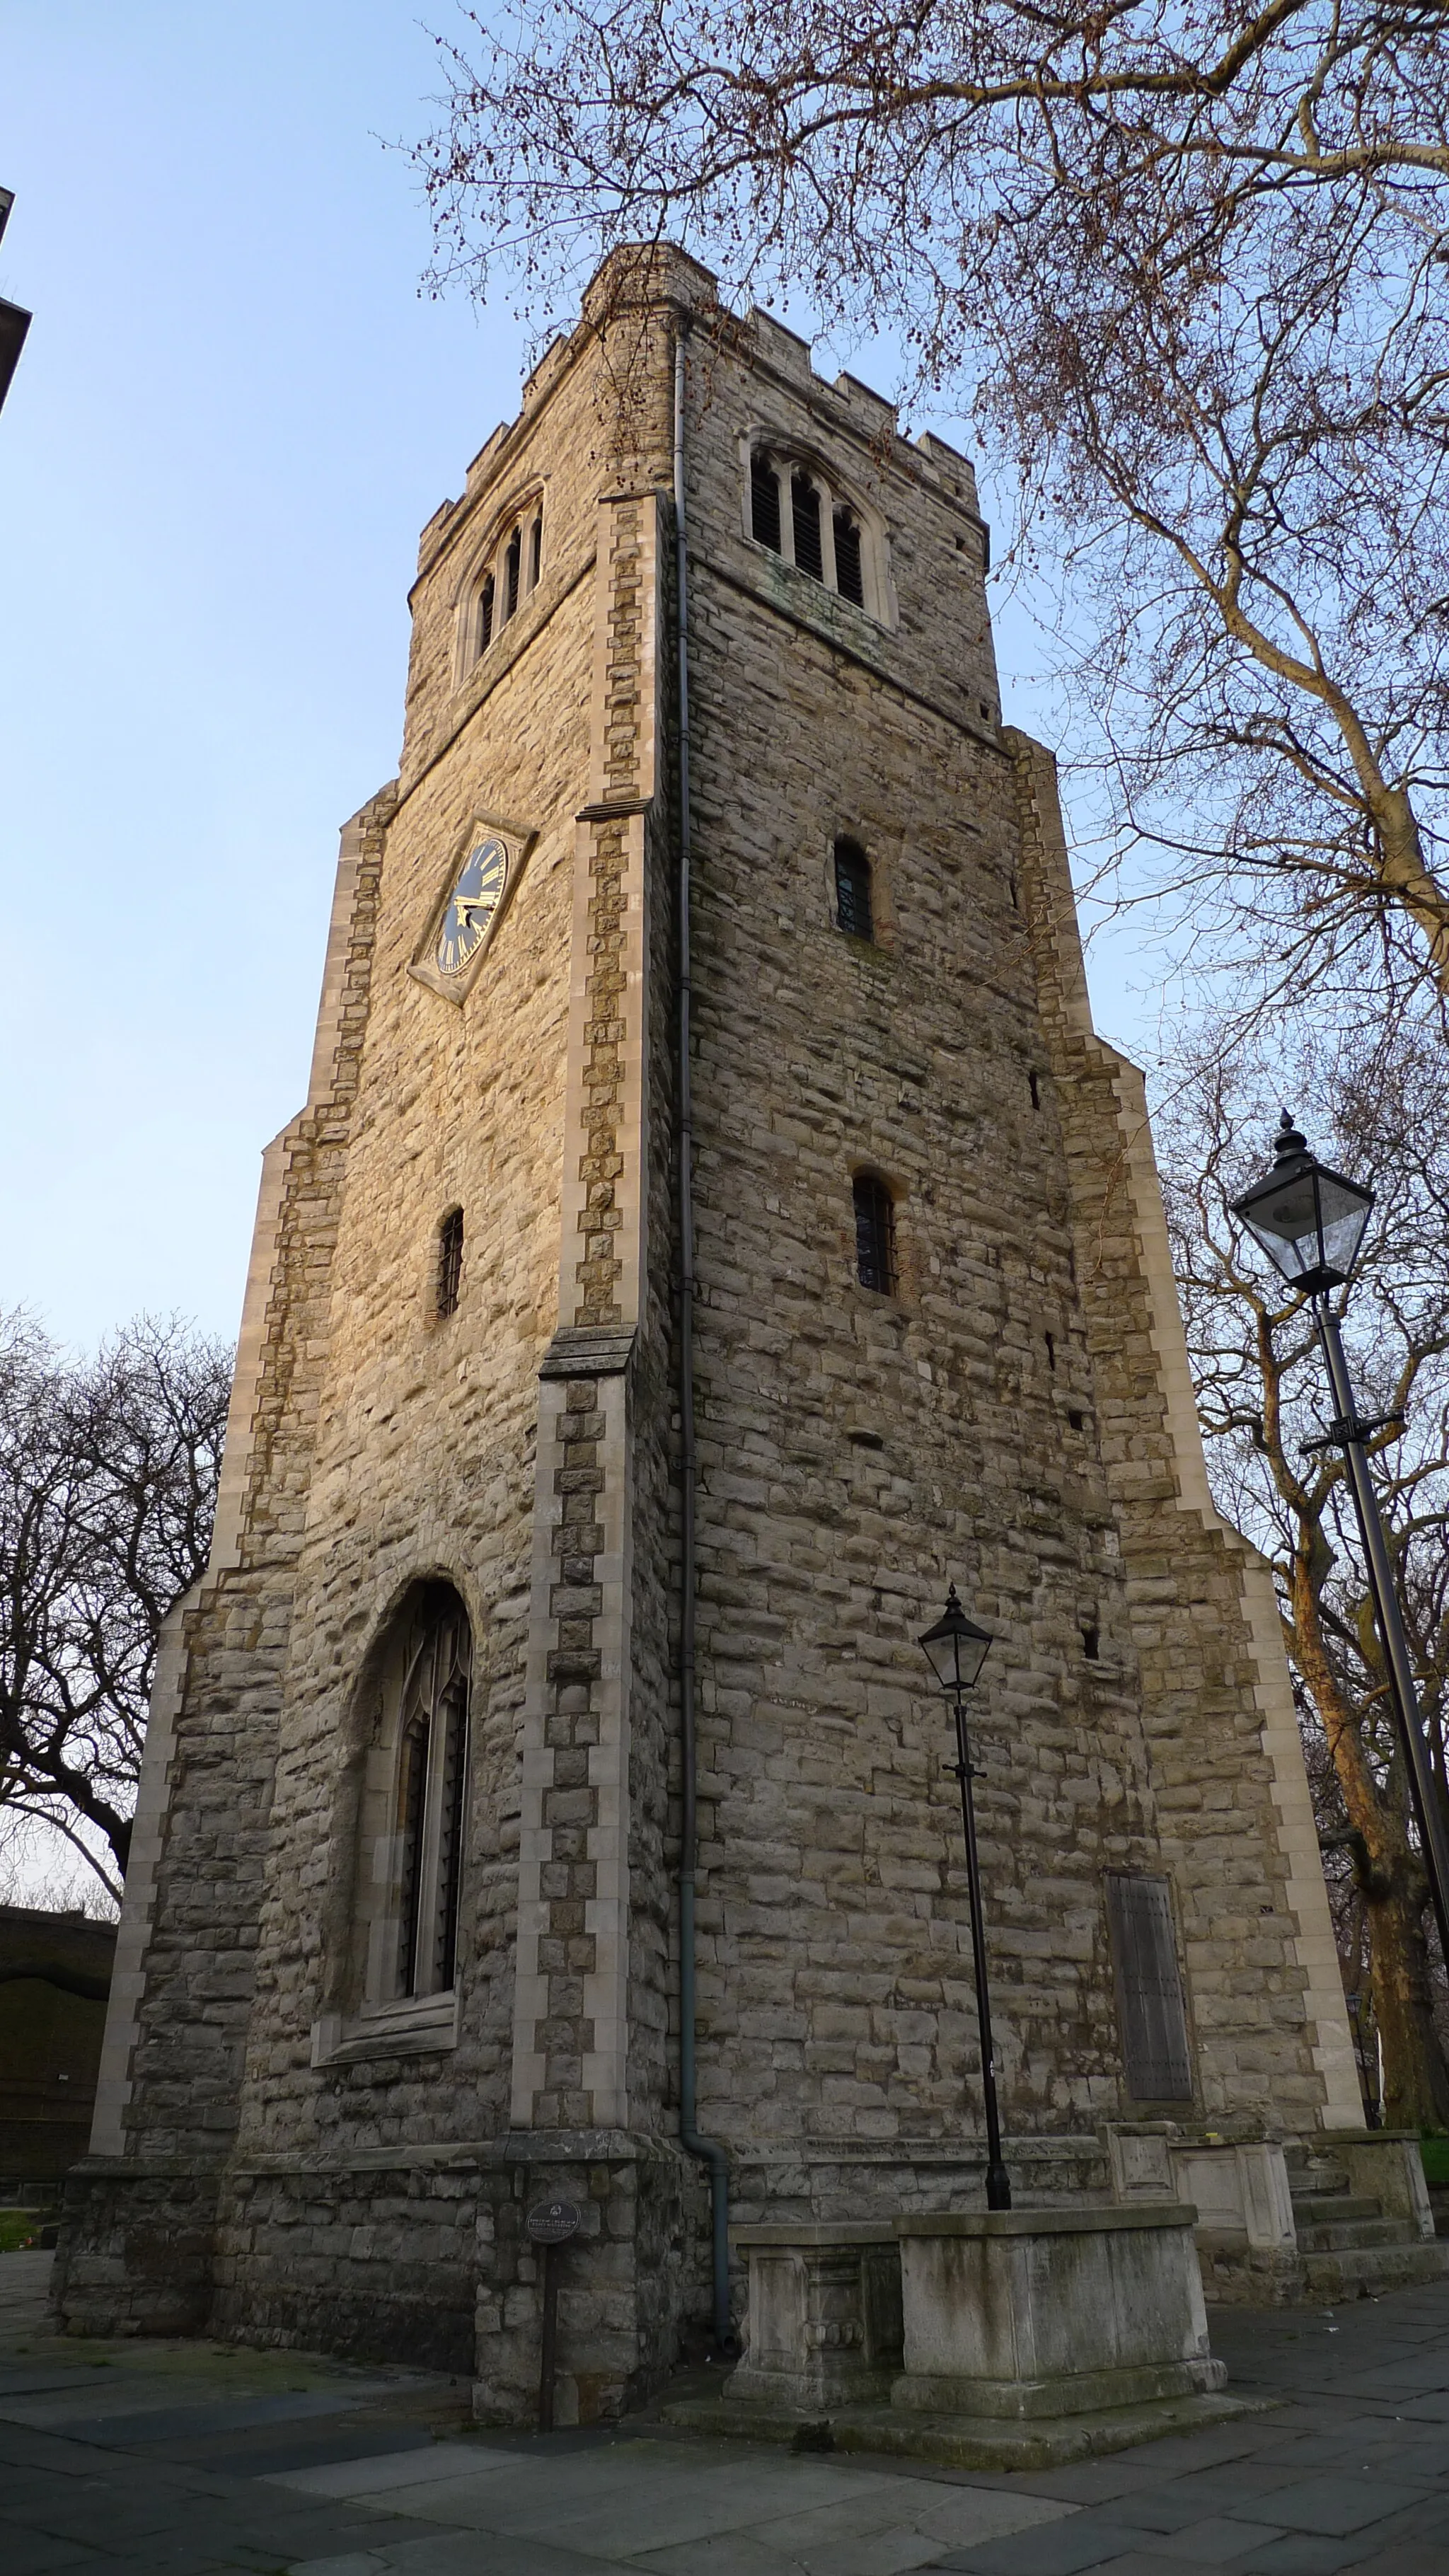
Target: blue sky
pixel 233 416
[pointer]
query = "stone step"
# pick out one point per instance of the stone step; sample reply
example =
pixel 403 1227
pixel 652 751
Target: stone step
pixel 1312 2174
pixel 1351 2275
pixel 1354 2234
pixel 1333 2208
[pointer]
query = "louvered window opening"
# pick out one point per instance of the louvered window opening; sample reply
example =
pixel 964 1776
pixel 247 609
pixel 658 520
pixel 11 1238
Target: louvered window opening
pixel 432 1777
pixel 805 521
pixel 875 1235
pixel 450 1262
pixel 1150 2001
pixel 853 910
pixel 847 558
pixel 794 514
pixel 512 574
pixel 765 504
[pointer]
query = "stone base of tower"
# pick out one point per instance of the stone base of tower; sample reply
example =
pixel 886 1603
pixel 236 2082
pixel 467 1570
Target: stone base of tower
pixel 137 2249
pixel 633 2283
pixel 413 2255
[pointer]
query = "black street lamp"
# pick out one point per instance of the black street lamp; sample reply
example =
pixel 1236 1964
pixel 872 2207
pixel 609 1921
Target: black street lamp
pixel 956 1650
pixel 1310 1222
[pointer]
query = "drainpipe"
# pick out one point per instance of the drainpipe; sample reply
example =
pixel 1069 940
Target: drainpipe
pixel 708 2150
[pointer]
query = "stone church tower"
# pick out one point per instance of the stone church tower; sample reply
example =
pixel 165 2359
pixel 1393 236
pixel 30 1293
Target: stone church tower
pixel 551 1523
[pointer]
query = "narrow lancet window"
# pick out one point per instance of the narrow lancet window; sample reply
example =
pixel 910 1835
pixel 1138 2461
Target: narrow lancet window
pixel 764 503
pixel 512 568
pixel 805 513
pixel 847 558
pixel 875 1234
pixel 485 614
pixel 853 909
pixel 450 1262
pixel 535 553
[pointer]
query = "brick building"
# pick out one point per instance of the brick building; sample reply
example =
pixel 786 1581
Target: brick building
pixel 401 1951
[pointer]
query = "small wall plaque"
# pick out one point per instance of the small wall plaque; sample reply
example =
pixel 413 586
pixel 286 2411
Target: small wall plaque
pixel 552 2222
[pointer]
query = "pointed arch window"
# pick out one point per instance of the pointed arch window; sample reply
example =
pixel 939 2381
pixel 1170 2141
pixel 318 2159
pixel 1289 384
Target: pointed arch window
pixel 795 511
pixel 431 1778
pixel 512 571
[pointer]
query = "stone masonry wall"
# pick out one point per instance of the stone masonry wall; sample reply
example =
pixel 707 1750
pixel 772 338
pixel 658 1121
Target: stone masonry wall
pixel 1230 1803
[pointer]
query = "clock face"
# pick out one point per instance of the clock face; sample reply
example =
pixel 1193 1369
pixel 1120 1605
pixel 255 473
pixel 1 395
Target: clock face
pixel 471 906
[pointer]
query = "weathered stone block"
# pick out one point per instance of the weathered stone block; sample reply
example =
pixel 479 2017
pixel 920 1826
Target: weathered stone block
pixel 1028 2313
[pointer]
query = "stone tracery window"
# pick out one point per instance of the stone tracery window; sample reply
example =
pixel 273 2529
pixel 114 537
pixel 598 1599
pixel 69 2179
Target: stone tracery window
pixel 417 1954
pixel 796 513
pixel 501 585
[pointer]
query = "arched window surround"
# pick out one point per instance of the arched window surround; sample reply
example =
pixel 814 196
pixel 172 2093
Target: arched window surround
pixel 402 1834
pixel 502 575
pixel 768 457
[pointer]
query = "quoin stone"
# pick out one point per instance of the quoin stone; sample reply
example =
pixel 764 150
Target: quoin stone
pixel 400 1957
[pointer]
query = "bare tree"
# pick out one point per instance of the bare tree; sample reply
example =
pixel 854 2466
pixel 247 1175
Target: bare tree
pixel 108 1471
pixel 1263 1400
pixel 1188 270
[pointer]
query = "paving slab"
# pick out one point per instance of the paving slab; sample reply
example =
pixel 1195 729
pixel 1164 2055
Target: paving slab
pixel 394 2471
pixel 195 2460
pixel 1218 2541
pixel 1338 2504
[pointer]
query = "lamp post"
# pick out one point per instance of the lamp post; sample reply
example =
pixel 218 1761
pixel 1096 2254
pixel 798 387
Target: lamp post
pixel 956 1649
pixel 1310 1222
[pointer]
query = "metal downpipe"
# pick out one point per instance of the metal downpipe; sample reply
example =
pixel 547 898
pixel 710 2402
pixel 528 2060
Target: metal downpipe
pixel 708 2150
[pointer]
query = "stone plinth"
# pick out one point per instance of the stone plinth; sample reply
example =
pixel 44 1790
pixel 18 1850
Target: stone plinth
pixel 824 2314
pixel 1246 2236
pixel 1028 2338
pixel 1044 2312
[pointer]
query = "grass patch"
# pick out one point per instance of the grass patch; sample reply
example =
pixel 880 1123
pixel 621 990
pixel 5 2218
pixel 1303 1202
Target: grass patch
pixel 20 2228
pixel 1435 2152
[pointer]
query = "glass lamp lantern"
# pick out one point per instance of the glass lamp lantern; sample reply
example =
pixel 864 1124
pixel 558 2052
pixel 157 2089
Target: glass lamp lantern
pixel 1308 1220
pixel 956 1648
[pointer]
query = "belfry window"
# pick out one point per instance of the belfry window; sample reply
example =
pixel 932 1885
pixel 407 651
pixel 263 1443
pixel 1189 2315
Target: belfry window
pixel 795 513
pixel 450 1262
pixel 853 910
pixel 512 570
pixel 875 1234
pixel 805 516
pixel 431 1780
pixel 847 558
pixel 764 503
